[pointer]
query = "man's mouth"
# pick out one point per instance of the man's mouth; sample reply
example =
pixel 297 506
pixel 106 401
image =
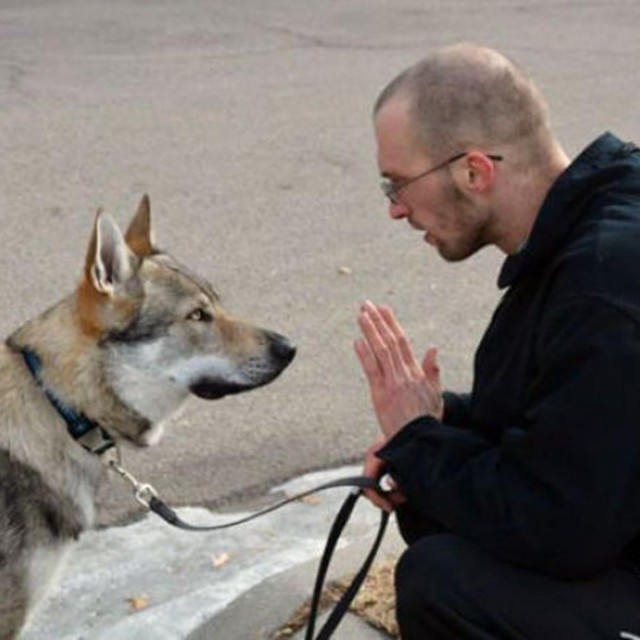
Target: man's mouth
pixel 428 237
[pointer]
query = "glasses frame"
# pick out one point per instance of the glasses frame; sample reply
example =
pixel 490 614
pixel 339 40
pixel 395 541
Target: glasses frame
pixel 391 189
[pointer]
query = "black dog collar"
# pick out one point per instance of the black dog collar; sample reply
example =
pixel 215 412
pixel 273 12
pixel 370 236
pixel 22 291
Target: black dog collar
pixel 85 432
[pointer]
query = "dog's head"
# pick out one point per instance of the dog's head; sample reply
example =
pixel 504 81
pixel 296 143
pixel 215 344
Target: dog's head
pixel 163 328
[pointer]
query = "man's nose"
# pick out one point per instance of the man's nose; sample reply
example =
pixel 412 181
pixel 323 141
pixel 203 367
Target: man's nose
pixel 398 211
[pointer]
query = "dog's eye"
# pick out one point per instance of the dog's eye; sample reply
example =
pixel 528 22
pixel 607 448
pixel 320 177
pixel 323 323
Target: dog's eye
pixel 200 315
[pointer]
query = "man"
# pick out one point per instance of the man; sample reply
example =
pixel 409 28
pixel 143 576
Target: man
pixel 521 500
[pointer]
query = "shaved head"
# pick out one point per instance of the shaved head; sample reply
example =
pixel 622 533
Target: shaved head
pixel 468 96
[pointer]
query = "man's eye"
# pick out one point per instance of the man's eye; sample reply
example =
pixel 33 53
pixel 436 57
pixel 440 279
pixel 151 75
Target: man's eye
pixel 200 315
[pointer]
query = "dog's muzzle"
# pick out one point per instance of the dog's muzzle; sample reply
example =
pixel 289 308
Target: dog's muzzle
pixel 280 354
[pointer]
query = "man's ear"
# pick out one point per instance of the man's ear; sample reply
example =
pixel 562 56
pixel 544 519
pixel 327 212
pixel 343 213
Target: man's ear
pixel 479 172
pixel 109 263
pixel 139 235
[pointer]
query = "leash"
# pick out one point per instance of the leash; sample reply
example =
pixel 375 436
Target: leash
pixel 96 440
pixel 146 495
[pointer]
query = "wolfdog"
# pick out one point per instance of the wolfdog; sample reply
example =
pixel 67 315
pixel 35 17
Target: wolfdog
pixel 105 366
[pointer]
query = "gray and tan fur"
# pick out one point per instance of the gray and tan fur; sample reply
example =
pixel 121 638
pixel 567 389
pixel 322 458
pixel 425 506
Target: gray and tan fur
pixel 137 337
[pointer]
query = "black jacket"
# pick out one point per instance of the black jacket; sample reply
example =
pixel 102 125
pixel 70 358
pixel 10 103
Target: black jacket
pixel 540 464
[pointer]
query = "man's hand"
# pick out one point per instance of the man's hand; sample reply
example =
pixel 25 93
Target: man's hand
pixel 401 389
pixel 374 468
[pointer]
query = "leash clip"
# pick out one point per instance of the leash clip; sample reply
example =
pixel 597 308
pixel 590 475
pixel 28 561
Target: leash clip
pixel 147 496
pixel 143 492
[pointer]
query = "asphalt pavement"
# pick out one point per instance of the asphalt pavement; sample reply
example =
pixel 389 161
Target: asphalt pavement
pixel 249 125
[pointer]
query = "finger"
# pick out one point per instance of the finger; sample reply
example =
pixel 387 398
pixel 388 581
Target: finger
pixel 394 493
pixel 374 468
pixel 368 361
pixel 401 339
pixel 387 501
pixel 378 500
pixel 430 366
pixel 432 374
pixel 379 347
pixel 391 483
pixel 396 498
pixel 371 364
pixel 387 342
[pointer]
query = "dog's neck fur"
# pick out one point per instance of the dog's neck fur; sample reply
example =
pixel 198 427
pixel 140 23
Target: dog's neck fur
pixel 73 370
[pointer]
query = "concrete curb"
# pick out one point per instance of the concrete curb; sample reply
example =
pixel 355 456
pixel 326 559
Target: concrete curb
pixel 259 612
pixel 149 578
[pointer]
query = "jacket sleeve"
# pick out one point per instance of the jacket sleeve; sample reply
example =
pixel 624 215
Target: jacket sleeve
pixel 457 409
pixel 561 491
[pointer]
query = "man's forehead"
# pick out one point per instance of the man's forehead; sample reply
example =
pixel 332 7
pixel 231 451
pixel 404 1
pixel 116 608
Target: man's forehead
pixel 393 114
pixel 398 148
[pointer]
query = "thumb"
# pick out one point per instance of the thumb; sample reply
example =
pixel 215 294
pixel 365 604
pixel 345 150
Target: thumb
pixel 431 371
pixel 430 366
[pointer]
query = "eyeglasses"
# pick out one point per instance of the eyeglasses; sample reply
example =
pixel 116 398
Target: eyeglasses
pixel 391 189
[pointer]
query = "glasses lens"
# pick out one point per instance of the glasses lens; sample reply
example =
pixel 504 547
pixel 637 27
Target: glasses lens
pixel 389 190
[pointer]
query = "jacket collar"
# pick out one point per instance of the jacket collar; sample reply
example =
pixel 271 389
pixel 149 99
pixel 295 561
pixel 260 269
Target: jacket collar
pixel 87 433
pixel 564 205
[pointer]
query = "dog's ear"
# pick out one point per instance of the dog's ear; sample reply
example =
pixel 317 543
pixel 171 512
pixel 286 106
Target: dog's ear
pixel 139 235
pixel 110 262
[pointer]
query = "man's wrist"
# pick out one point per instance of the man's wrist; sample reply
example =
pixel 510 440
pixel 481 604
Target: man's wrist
pixel 409 429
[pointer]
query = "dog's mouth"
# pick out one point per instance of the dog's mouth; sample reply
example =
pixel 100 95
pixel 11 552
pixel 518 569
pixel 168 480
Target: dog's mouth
pixel 216 389
pixel 254 371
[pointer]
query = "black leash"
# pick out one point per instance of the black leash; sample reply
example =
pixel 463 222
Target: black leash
pixel 96 440
pixel 147 495
pixel 342 606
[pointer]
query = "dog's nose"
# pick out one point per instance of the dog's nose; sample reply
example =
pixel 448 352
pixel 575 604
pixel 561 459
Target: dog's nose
pixel 281 348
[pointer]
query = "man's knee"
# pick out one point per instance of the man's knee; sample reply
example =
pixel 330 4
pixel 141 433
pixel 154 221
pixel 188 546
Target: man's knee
pixel 431 587
pixel 449 588
pixel 429 572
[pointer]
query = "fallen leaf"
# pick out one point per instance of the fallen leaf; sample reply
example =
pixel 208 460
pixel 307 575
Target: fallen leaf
pixel 220 560
pixel 138 603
